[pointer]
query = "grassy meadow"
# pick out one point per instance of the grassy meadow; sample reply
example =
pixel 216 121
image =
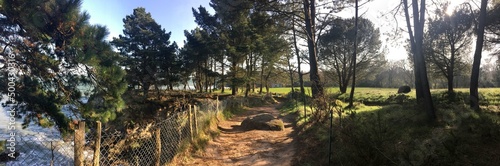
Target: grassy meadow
pixel 379 96
pixel 389 129
pixel 386 128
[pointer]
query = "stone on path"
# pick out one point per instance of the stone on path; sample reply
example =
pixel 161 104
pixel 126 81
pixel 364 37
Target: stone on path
pixel 262 121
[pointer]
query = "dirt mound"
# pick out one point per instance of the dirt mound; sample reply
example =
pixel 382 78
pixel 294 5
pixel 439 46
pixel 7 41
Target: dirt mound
pixel 262 121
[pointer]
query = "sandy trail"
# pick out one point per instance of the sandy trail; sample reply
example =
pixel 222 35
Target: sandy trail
pixel 235 146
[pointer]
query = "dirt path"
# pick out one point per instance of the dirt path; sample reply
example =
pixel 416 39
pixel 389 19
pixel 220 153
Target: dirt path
pixel 235 146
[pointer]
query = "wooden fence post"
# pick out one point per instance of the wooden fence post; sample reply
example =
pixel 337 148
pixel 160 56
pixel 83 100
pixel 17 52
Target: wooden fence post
pixel 79 143
pixel 190 123
pixel 97 150
pixel 158 146
pixel 195 120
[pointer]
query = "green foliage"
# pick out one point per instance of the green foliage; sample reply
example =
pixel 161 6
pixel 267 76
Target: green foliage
pixel 384 96
pixel 56 52
pixel 234 105
pixel 398 98
pixel 336 49
pixel 150 58
pixel 239 32
pixel 401 135
pixel 447 42
pixel 199 54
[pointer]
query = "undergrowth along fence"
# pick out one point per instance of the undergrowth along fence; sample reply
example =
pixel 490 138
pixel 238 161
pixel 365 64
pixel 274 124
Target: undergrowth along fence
pixel 155 144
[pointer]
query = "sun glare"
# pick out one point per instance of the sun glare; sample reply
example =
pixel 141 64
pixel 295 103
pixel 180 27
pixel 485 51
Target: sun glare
pixel 453 5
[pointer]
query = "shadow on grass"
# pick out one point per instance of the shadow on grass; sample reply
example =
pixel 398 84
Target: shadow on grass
pixel 398 134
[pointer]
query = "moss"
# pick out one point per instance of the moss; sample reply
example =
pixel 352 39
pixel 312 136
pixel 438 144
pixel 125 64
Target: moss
pixel 263 122
pixel 276 125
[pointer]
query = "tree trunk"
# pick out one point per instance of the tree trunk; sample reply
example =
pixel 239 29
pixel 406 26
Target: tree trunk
pixel 214 69
pixel 474 79
pixel 267 81
pixel 145 89
pixel 253 86
pixel 419 33
pixel 290 70
pixel 233 82
pixel 199 80
pixel 254 68
pixel 343 88
pixel 207 82
pixel 310 16
pixel 249 73
pixel 261 78
pixel 247 89
pixel 416 69
pixel 451 70
pixel 301 80
pixel 267 88
pixel 353 67
pixel 185 85
pixel 421 80
pixel 450 83
pixel 222 80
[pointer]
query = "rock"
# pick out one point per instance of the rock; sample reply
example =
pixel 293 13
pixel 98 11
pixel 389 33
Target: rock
pixel 404 89
pixel 263 121
pixel 268 98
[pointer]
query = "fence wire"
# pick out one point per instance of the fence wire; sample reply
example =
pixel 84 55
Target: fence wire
pixel 140 148
pixel 39 150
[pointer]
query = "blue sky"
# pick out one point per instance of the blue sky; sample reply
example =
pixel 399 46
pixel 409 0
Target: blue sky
pixel 173 15
pixel 176 16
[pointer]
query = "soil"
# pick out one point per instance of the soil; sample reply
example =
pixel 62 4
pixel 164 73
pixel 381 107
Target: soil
pixel 235 146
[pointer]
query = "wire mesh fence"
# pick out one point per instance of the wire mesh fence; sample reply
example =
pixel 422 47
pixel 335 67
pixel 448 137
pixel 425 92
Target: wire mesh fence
pixel 154 144
pixel 38 150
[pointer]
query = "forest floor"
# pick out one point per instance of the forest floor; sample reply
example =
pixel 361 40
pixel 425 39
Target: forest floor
pixel 235 146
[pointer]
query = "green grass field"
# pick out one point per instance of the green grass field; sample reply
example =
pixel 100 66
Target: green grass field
pixel 380 95
pixel 379 131
pixel 381 91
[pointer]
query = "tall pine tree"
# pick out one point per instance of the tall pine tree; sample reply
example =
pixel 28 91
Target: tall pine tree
pixel 149 55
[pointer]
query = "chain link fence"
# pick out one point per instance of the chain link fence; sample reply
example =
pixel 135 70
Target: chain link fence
pixel 39 150
pixel 154 144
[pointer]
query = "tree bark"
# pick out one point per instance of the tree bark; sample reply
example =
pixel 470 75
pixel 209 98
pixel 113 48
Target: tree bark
pixel 451 70
pixel 290 70
pixel 450 83
pixel 247 89
pixel 222 80
pixel 343 88
pixel 207 79
pixel 249 74
pixel 233 85
pixel 416 70
pixel 145 90
pixel 267 81
pixel 474 79
pixel 423 92
pixel 310 16
pixel 301 80
pixel 261 77
pixel 353 67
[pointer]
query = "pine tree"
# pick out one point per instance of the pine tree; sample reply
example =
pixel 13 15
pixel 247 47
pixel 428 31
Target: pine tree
pixel 149 55
pixel 55 52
